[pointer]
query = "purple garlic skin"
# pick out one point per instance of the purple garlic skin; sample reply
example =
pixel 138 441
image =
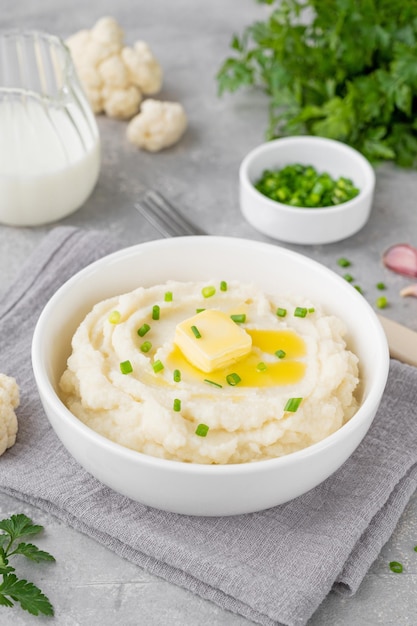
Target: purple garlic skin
pixel 401 258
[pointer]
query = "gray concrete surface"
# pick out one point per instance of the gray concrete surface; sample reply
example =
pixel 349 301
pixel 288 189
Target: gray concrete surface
pixel 90 586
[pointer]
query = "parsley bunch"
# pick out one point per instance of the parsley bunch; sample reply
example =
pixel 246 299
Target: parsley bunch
pixel 343 69
pixel 13 589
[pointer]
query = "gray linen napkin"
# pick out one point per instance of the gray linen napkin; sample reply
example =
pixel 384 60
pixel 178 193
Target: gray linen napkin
pixel 273 567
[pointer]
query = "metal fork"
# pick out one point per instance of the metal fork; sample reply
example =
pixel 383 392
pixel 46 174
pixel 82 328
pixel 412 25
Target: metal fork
pixel 165 217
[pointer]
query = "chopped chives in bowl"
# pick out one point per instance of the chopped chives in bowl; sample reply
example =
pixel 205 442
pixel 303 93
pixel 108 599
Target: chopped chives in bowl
pixel 114 317
pixel 239 318
pixel 156 312
pixel 208 291
pixel 292 404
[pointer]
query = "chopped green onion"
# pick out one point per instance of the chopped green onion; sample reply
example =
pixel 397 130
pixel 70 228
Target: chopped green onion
pixel 415 548
pixel 126 367
pixel 239 318
pixel 382 302
pixel 199 310
pixel 156 312
pixel 381 286
pixel 261 367
pixel 281 312
pixel 143 330
pixel 343 262
pixel 208 291
pixel 146 346
pixel 300 311
pixel 202 430
pixel 168 296
pixel 349 278
pixel 223 285
pixel 211 382
pixel 233 379
pixel 280 354
pixel 157 366
pixel 292 404
pixel 396 567
pixel 177 405
pixel 177 376
pixel 358 288
pixel 196 332
pixel 114 317
pixel 311 309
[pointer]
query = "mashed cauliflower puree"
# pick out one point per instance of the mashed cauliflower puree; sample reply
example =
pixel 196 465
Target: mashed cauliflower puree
pixel 128 380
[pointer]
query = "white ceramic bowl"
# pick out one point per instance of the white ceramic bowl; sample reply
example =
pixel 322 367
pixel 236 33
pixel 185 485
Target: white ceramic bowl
pixel 306 225
pixel 191 488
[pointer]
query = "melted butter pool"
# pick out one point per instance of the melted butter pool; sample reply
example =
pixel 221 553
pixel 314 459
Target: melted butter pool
pixel 265 343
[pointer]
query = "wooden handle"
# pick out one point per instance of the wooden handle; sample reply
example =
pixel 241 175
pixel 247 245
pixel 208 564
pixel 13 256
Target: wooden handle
pixel 402 341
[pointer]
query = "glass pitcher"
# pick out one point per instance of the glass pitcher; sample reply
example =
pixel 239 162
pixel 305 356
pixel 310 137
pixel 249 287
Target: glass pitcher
pixel 49 140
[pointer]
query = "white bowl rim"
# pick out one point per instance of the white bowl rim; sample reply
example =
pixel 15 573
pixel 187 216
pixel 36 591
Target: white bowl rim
pixel 47 390
pixel 269 146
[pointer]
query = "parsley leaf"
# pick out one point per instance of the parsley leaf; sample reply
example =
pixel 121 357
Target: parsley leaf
pixel 30 597
pixel 319 81
pixel 13 589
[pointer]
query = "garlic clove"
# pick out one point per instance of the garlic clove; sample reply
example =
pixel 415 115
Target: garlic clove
pixel 411 290
pixel 401 258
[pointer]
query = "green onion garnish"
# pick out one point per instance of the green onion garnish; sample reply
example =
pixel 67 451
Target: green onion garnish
pixel 208 291
pixel 233 379
pixel 158 366
pixel 211 382
pixel 146 346
pixel 202 430
pixel 143 330
pixel 381 286
pixel 396 567
pixel 223 285
pixel 311 309
pixel 155 312
pixel 415 548
pixel 292 404
pixel 177 376
pixel 199 310
pixel 261 367
pixel 382 302
pixel 114 317
pixel 177 405
pixel 280 354
pixel 281 312
pixel 343 262
pixel 168 296
pixel 300 311
pixel 349 278
pixel 239 318
pixel 358 288
pixel 196 332
pixel 126 367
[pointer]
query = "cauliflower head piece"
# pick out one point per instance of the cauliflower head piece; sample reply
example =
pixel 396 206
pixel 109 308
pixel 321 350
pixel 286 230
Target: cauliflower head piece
pixel 9 401
pixel 158 125
pixel 114 76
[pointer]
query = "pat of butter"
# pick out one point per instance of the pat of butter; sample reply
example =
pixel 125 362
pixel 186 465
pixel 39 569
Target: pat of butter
pixel 221 340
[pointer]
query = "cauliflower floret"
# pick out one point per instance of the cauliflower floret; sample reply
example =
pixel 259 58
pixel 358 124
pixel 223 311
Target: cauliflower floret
pixel 9 400
pixel 108 32
pixel 114 73
pixel 144 70
pixel 114 76
pixel 122 103
pixel 158 125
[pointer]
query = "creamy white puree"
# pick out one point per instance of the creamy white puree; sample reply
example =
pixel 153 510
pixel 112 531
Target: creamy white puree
pixel 245 423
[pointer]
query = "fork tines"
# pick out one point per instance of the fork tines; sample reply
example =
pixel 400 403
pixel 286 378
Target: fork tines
pixel 166 218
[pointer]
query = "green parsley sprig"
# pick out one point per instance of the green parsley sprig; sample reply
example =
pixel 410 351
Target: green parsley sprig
pixel 12 588
pixel 319 81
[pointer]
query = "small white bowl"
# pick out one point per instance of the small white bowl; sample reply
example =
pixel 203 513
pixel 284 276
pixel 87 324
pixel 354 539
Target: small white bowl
pixel 306 225
pixel 192 488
